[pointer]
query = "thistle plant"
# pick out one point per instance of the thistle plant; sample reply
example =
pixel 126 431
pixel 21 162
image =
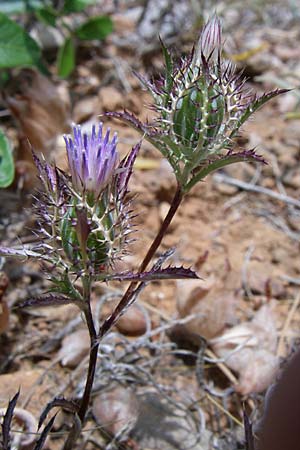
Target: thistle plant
pixel 201 105
pixel 85 216
pixel 84 226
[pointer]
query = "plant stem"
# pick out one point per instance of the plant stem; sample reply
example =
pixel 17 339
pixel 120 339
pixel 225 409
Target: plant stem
pixel 75 431
pixel 127 297
pixel 94 345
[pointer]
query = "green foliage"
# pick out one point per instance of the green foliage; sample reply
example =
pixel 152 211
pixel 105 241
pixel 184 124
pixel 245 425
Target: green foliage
pixel 19 6
pixel 66 58
pixel 7 168
pixel 71 6
pixel 95 28
pixel 47 15
pixel 17 48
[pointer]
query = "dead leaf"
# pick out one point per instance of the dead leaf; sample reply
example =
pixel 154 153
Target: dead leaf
pixel 4 316
pixel 74 348
pixel 116 410
pixel 249 349
pixel 42 111
pixel 213 308
pixel 133 322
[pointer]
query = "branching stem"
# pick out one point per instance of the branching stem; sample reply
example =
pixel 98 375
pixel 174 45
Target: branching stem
pixel 128 295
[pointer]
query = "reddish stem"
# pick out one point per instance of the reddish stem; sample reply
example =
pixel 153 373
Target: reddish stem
pixel 127 297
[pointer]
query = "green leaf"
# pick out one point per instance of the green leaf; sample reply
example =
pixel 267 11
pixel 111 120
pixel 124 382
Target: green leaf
pixel 223 161
pixel 47 16
pixel 71 6
pixel 254 106
pixel 66 58
pixel 169 70
pixel 17 48
pixel 19 6
pixel 7 168
pixel 95 28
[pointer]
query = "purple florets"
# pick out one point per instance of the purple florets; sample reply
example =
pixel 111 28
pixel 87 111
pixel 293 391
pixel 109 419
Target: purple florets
pixel 92 159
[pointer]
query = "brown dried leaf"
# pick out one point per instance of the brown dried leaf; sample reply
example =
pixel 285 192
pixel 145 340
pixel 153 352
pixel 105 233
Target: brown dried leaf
pixel 116 410
pixel 4 316
pixel 42 111
pixel 74 348
pixel 133 322
pixel 214 309
pixel 249 349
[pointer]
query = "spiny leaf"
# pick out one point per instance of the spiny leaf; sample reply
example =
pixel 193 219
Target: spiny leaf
pixel 157 274
pixel 219 163
pixel 254 106
pixel 41 441
pixel 6 424
pixel 47 300
pixel 169 70
pixel 69 405
pixel 130 119
pixel 20 253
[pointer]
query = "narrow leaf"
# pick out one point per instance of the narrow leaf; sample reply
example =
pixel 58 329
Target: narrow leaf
pixel 47 300
pixel 95 28
pixel 133 121
pixel 169 71
pixel 249 438
pixel 17 48
pixel 69 405
pixel 254 106
pixel 73 6
pixel 6 424
pixel 156 274
pixel 7 167
pixel 230 158
pixel 125 170
pixel 20 253
pixel 66 58
pixel 41 441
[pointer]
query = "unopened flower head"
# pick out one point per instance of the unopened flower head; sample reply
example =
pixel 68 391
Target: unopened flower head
pixel 201 104
pixel 92 159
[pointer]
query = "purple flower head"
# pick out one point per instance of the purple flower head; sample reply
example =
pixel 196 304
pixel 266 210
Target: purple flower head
pixel 92 159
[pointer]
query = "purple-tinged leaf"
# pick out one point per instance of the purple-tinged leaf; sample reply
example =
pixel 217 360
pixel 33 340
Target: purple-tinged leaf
pixel 125 170
pixel 156 274
pixel 48 300
pixel 131 120
pixel 69 405
pixel 254 104
pixel 20 253
pixel 223 161
pixel 152 87
pixel 41 441
pixel 249 438
pixel 6 424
